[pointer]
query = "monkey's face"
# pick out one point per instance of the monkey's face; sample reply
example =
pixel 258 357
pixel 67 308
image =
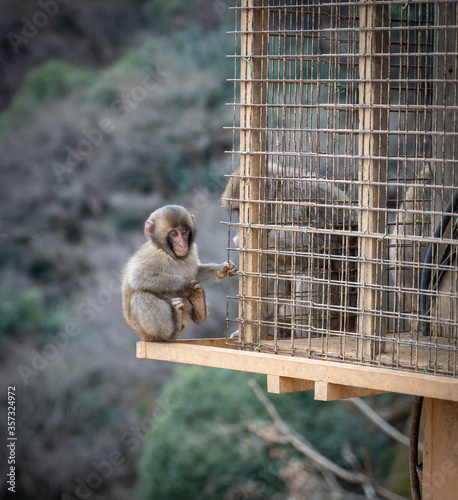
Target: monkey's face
pixel 178 241
pixel 230 200
pixel 231 194
pixel 171 228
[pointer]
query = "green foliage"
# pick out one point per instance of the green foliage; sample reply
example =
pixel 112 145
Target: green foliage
pixel 127 218
pixel 178 175
pixel 138 178
pixel 173 143
pixel 106 87
pixel 199 443
pixel 191 48
pixel 55 79
pixel 25 311
pixel 53 262
pixel 162 12
pixel 180 119
pixel 52 80
pixel 104 91
pixel 204 50
pixel 189 450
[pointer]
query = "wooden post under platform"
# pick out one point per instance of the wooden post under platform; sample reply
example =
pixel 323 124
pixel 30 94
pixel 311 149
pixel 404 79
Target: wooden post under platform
pixel 440 456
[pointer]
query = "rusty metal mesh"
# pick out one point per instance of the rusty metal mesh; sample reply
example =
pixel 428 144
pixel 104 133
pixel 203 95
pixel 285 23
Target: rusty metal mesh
pixel 346 179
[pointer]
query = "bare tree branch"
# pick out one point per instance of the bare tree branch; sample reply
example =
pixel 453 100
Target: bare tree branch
pixel 282 434
pixel 382 424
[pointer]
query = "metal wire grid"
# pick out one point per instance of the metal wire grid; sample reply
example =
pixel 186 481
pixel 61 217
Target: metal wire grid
pixel 345 153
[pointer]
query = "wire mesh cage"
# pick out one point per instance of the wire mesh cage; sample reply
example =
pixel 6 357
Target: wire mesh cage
pixel 346 181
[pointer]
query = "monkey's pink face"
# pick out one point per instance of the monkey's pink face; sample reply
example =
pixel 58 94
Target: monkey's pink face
pixel 180 241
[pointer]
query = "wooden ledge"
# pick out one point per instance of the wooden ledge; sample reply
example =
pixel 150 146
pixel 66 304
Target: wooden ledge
pixel 331 380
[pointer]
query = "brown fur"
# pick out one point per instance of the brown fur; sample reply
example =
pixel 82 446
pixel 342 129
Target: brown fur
pixel 162 293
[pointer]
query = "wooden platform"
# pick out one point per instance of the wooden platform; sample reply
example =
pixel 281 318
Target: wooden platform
pixel 331 380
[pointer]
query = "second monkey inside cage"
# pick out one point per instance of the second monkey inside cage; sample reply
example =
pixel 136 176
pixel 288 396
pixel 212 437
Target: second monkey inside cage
pixel 309 253
pixel 345 147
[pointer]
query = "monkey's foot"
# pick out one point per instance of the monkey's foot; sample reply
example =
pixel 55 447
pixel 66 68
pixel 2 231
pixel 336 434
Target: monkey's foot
pixel 228 269
pixel 178 305
pixel 197 299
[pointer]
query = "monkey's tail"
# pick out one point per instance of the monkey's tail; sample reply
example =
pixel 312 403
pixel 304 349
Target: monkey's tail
pixel 426 273
pixel 413 455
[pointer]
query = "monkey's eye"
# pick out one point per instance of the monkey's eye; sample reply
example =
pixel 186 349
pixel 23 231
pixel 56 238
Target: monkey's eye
pixel 173 233
pixel 185 231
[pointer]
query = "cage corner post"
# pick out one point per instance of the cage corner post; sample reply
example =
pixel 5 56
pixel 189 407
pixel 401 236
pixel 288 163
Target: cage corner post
pixel 373 124
pixel 253 97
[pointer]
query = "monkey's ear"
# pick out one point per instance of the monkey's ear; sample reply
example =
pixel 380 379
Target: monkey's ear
pixel 193 217
pixel 149 228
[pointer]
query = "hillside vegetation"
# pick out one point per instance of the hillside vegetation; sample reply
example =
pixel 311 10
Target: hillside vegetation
pixel 88 151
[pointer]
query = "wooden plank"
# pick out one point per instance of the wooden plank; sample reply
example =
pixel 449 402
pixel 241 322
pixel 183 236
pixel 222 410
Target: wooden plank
pixel 222 342
pixel 282 385
pixel 325 391
pixel 440 450
pixel 346 374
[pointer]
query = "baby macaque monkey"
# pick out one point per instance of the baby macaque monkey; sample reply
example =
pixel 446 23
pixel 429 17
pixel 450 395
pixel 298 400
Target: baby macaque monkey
pixel 162 287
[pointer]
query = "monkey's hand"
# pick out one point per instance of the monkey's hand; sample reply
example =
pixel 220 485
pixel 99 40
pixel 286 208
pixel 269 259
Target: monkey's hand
pixel 228 269
pixel 214 272
pixel 178 304
pixel 198 291
pixel 188 287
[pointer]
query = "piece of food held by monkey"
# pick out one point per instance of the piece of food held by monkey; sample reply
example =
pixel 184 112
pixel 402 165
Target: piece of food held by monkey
pixel 162 287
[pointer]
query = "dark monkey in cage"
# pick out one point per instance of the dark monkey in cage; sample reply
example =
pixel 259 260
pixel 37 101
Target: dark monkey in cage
pixel 310 194
pixel 321 264
pixel 162 287
pixel 423 293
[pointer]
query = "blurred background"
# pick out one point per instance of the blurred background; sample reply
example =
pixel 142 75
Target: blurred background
pixel 110 109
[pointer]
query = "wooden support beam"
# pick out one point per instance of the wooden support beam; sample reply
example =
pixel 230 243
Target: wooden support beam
pixel 325 391
pixel 282 385
pixel 440 450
